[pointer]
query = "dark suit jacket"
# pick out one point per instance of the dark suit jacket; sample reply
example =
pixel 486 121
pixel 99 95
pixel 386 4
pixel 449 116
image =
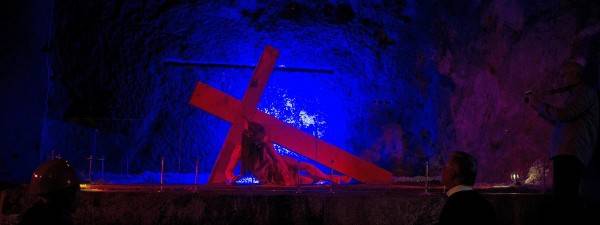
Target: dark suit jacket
pixel 467 207
pixel 42 213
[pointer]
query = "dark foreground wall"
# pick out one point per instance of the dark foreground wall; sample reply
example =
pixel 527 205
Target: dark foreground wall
pixel 24 74
pixel 248 206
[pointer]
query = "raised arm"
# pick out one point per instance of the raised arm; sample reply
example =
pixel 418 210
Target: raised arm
pixel 235 157
pixel 576 105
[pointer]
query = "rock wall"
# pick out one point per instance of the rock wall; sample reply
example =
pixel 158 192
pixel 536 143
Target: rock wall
pixel 437 75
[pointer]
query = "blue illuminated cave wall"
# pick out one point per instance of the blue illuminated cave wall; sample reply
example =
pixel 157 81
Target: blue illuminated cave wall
pixel 372 56
pixel 120 99
pixel 428 77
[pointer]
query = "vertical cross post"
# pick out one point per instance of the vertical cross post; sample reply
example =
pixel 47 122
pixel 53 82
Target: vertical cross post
pixel 257 84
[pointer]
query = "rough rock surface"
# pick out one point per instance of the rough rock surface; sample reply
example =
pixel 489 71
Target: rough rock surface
pixel 449 74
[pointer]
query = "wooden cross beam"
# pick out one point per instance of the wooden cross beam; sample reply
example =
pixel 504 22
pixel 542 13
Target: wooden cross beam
pixel 232 110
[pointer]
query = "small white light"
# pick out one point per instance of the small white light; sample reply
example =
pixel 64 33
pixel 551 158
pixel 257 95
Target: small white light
pixel 514 177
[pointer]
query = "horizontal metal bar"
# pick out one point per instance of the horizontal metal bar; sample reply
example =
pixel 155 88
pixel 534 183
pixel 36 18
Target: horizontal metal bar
pixel 105 118
pixel 181 62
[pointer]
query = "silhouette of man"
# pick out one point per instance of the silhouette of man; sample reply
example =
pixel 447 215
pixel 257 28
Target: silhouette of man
pixel 57 185
pixel 464 205
pixel 574 137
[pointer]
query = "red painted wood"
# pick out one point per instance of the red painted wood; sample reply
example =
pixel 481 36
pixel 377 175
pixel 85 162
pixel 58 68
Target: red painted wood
pixel 251 97
pixel 223 106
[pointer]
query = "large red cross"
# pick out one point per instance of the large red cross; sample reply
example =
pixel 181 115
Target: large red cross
pixel 232 110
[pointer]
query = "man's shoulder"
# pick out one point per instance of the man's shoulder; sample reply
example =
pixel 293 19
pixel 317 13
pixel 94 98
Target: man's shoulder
pixel 37 214
pixel 465 194
pixel 470 197
pixel 468 207
pixel 42 213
